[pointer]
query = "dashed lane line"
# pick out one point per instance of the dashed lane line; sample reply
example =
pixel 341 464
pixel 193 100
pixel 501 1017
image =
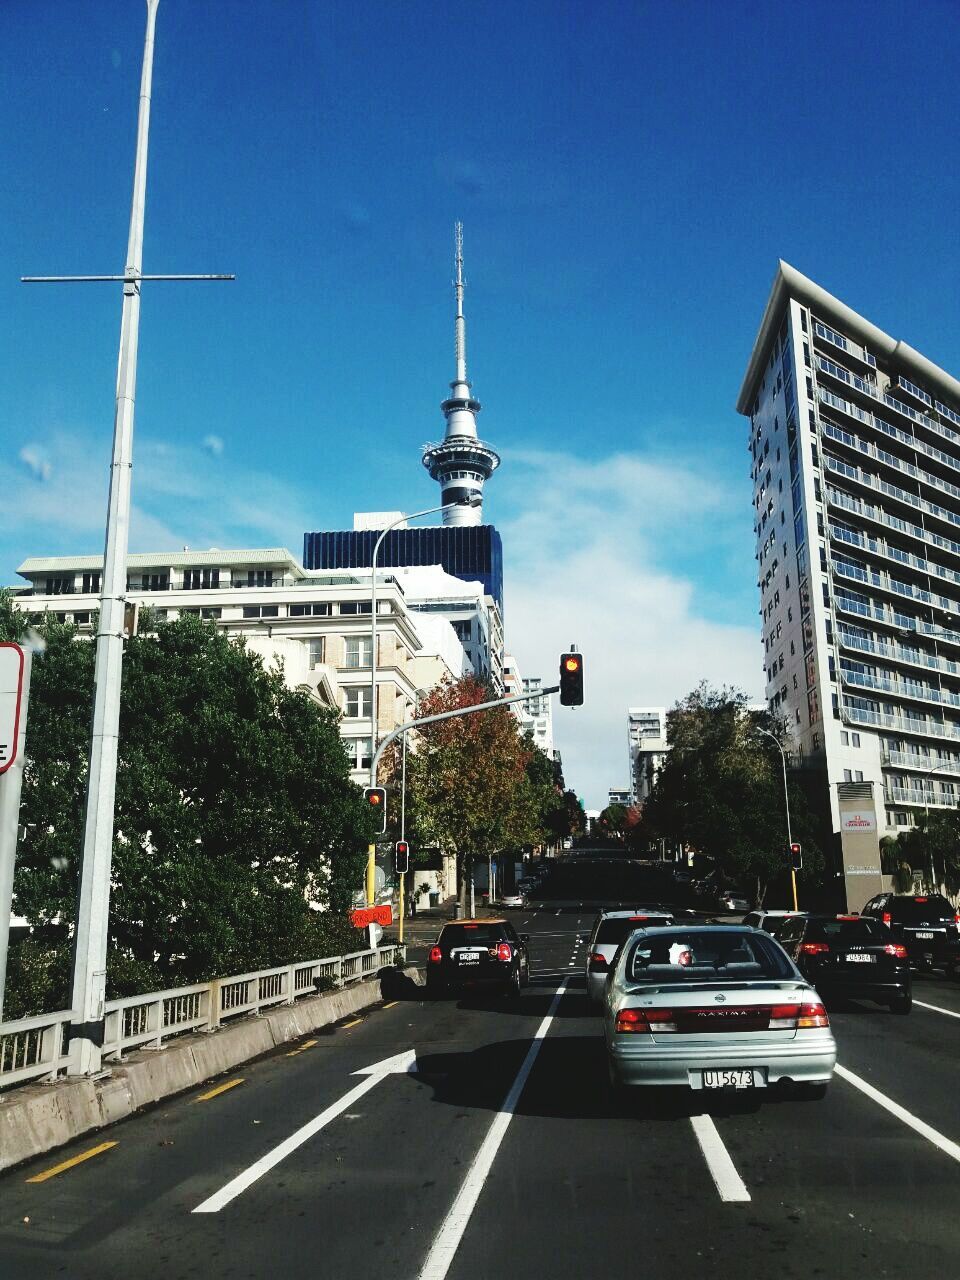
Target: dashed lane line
pixel 221 1088
pixel 728 1182
pixel 69 1164
pixel 355 1022
pixel 950 1013
pixel 391 1004
pixel 308 1044
pixel 447 1240
pixel 945 1144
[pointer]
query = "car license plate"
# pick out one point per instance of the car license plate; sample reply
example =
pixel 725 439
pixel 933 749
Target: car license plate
pixel 923 935
pixel 740 1078
pixel 855 959
pixel 468 957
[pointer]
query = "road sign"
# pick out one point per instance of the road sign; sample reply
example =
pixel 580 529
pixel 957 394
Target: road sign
pixel 11 697
pixel 371 915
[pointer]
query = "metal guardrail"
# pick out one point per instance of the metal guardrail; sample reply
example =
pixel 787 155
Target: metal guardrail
pixel 37 1048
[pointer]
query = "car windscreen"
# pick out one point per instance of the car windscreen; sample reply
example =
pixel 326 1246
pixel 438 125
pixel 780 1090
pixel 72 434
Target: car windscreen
pixel 467 935
pixel 692 955
pixel 847 931
pixel 613 931
pixel 920 910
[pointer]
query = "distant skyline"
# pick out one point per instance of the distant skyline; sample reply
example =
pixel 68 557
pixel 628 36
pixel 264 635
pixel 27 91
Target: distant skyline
pixel 627 176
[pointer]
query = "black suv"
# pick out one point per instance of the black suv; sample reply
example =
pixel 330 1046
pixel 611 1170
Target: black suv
pixel 926 924
pixel 849 956
pixel 478 953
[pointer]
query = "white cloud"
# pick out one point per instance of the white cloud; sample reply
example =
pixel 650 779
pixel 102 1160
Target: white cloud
pixel 213 445
pixel 590 564
pixel 34 457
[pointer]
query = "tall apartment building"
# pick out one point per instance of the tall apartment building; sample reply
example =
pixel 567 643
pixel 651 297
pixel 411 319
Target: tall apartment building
pixel 317 623
pixel 647 747
pixel 536 716
pixel 855 460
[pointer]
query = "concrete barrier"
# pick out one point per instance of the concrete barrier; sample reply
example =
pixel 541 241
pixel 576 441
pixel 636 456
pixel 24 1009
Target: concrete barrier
pixel 41 1117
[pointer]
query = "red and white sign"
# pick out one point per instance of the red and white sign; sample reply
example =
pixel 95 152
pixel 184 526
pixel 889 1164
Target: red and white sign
pixel 371 915
pixel 858 821
pixel 11 698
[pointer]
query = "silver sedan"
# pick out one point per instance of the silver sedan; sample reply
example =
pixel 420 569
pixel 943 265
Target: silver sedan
pixel 714 1007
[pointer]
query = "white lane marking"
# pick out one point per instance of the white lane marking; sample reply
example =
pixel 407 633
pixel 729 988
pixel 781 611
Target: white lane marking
pixel 558 913
pixel 936 1008
pixel 401 1062
pixel 925 1130
pixel 447 1240
pixel 722 1169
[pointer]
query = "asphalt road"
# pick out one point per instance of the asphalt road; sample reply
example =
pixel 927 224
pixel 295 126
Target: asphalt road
pixel 504 1153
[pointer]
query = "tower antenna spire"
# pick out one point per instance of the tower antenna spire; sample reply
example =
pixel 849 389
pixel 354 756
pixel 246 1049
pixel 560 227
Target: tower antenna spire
pixel 461 324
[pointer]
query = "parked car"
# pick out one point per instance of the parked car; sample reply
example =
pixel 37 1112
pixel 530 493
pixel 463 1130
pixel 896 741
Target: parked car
pixel 511 899
pixel 850 956
pixel 714 1007
pixel 478 953
pixel 927 924
pixel 770 921
pixel 610 930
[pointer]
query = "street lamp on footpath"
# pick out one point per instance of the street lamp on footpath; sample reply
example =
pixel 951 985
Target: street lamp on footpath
pixel 786 803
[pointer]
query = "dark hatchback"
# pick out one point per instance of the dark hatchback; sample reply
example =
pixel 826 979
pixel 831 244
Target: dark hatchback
pixel 927 924
pixel 849 956
pixel 478 953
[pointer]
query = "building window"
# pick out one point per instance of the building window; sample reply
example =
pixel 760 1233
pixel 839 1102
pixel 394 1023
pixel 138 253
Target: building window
pixel 200 579
pixel 316 652
pixel 91 582
pixel 358 702
pixel 61 586
pixel 359 752
pixel 844 738
pixel 357 651
pixel 255 578
pixel 155 582
pixel 311 610
pixel 81 619
pixel 848 775
pixel 355 606
pixel 856 739
pixel 261 610
pixel 858 775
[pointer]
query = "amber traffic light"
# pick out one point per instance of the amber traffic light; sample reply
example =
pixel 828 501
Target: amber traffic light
pixel 571 679
pixel 376 799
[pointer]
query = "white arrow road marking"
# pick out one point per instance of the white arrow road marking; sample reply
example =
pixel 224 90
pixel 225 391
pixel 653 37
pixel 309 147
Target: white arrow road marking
pixel 722 1169
pixel 401 1063
pixel 447 1240
pixel 927 1131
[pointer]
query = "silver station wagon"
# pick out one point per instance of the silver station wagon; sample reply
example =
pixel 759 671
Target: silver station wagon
pixel 714 1007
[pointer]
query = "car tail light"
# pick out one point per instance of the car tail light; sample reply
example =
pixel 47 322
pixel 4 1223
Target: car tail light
pixel 784 1016
pixel 639 917
pixel 956 918
pixel 852 916
pixel 920 899
pixel 896 949
pixel 814 948
pixel 598 962
pixel 436 955
pixel 887 917
pixel 631 1020
pixel 504 951
pixel 813 1015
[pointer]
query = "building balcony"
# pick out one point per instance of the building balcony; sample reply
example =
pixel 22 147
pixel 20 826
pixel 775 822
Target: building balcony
pixel 924 764
pixel 876 515
pixel 866 388
pixel 864 447
pixel 897 653
pixel 870 481
pixel 905 590
pixel 822 333
pixel 881 548
pixel 911 690
pixel 922 728
pixel 923 799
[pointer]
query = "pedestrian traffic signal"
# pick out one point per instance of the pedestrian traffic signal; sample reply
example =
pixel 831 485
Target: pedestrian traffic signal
pixel 796 857
pixel 571 679
pixel 376 799
pixel 401 857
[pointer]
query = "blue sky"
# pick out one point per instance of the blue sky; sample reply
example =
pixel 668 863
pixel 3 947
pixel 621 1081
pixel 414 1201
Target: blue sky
pixel 628 175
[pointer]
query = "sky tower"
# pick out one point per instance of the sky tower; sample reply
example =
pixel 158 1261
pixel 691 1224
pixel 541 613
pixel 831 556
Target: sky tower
pixel 461 462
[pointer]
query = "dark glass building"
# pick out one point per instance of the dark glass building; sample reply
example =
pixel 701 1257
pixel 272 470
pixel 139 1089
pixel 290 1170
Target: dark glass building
pixel 471 552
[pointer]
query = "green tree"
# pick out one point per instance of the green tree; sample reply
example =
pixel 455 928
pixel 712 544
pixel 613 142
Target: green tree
pixel 234 808
pixel 720 791
pixel 931 847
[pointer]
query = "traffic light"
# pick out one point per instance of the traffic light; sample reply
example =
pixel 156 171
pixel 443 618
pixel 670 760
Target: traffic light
pixel 376 798
pixel 401 857
pixel 571 679
pixel 796 857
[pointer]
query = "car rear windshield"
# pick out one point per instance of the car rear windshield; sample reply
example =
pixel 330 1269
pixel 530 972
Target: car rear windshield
pixel 464 935
pixel 847 931
pixel 691 955
pixel 920 910
pixel 612 932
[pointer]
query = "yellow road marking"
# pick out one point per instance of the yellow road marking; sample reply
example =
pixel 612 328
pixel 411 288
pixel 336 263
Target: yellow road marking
pixel 391 1004
pixel 355 1023
pixel 68 1164
pixel 221 1088
pixel 306 1045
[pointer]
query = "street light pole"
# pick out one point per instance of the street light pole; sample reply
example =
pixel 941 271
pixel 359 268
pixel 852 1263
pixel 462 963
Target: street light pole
pixel 786 803
pixel 473 500
pixel 90 941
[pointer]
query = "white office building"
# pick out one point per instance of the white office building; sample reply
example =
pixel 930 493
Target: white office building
pixel 317 622
pixel 647 747
pixel 855 460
